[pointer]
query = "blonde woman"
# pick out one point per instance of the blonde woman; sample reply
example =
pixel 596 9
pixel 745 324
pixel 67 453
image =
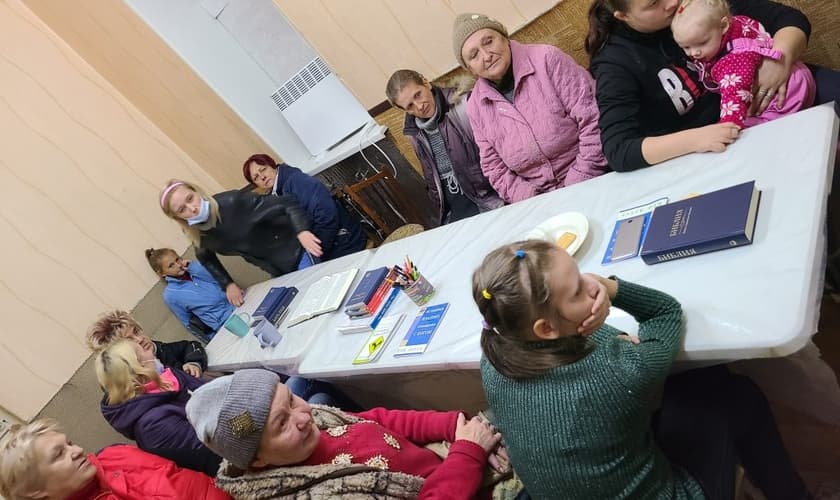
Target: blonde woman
pixel 271 232
pixel 145 401
pixel 37 461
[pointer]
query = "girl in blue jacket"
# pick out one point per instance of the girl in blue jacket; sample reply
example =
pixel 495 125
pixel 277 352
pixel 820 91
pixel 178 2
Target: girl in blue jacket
pixel 190 291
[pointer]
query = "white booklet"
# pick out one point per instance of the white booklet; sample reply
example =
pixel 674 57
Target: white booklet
pixel 323 296
pixel 357 325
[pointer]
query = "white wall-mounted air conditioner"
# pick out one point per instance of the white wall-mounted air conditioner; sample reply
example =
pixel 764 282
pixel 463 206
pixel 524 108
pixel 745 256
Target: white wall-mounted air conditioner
pixel 319 108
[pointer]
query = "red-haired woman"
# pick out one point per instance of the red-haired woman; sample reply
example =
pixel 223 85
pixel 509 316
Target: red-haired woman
pixel 338 232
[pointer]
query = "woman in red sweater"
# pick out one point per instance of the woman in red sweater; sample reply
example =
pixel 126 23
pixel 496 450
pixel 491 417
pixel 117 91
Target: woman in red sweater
pixel 273 440
pixel 38 461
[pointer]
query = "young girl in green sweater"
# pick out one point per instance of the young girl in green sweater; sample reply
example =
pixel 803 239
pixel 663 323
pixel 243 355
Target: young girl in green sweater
pixel 581 405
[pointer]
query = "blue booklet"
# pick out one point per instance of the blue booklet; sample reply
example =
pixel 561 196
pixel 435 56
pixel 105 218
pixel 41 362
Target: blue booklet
pixel 420 332
pixel 705 223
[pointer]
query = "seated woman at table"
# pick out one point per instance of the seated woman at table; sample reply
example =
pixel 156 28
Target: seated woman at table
pixel 271 232
pixel 274 441
pixel 437 126
pixel 144 401
pixel 728 50
pixel 191 291
pixel 653 105
pixel 189 356
pixel 338 232
pixel 560 380
pixel 532 111
pixel 112 326
pixel 38 461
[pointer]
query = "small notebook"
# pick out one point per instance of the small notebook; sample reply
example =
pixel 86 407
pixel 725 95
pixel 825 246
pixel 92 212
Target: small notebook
pixel 358 325
pixel 420 332
pixel 323 296
pixel 378 339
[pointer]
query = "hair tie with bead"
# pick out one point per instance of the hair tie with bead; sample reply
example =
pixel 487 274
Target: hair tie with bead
pixel 486 326
pixel 520 254
pixel 487 295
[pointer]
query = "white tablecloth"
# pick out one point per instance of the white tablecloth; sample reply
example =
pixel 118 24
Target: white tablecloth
pixel 754 301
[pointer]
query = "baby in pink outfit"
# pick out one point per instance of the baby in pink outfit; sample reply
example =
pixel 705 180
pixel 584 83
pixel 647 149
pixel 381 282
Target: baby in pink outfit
pixel 728 50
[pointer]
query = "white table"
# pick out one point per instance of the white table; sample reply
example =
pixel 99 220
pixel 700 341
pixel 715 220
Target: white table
pixel 227 352
pixel 754 301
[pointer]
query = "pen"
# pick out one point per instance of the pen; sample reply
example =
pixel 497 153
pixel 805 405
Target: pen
pixel 384 308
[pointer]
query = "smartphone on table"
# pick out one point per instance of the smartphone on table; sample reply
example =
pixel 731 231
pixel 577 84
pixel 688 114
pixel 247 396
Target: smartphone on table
pixel 628 237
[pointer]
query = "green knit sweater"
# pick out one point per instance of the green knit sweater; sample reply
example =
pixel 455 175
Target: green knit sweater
pixel 582 431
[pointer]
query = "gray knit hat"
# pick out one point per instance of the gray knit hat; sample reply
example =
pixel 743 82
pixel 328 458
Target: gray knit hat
pixel 229 413
pixel 467 24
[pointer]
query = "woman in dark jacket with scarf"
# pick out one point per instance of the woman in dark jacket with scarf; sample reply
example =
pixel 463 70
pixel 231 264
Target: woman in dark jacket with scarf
pixel 339 233
pixel 145 401
pixel 437 126
pixel 271 232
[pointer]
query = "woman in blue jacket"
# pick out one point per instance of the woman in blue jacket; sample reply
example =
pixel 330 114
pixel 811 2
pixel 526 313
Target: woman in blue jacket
pixel 339 233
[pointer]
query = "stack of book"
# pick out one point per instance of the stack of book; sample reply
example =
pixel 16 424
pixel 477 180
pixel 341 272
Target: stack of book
pixel 370 293
pixel 275 304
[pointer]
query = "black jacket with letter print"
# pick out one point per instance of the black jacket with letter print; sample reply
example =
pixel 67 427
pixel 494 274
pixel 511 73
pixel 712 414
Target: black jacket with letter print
pixel 646 86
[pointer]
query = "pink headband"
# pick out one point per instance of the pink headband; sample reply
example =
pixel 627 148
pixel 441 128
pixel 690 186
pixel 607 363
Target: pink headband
pixel 167 190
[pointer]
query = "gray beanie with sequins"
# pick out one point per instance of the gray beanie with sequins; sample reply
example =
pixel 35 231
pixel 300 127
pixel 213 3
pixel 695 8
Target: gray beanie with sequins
pixel 229 413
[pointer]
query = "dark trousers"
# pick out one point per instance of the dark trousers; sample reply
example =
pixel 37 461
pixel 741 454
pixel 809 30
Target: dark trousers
pixel 321 393
pixel 712 420
pixel 828 90
pixel 828 84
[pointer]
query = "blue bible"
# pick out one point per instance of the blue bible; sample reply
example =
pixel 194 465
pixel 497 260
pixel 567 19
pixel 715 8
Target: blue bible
pixel 706 223
pixel 365 289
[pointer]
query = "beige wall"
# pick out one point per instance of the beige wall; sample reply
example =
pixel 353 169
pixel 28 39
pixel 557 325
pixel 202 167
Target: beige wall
pixel 123 49
pixel 364 41
pixel 80 169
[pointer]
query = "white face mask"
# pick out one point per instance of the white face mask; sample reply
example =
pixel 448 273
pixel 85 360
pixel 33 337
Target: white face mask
pixel 202 215
pixel 159 366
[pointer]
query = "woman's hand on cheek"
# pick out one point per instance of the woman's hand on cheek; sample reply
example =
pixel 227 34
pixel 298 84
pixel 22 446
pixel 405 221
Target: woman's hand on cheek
pixel 600 307
pixel 771 81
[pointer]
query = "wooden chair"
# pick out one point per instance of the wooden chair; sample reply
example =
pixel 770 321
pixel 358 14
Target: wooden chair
pixel 382 200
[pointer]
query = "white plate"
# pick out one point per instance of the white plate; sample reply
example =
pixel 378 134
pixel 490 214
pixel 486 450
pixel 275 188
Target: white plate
pixel 551 229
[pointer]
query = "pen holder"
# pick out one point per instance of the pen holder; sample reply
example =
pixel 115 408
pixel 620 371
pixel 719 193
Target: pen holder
pixel 421 291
